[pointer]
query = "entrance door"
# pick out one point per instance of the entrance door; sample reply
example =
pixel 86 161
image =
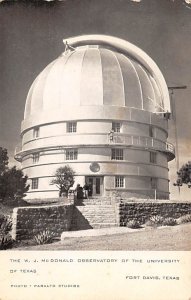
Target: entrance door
pixel 96 185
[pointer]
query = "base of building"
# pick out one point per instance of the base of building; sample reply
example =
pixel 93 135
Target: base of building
pixel 133 194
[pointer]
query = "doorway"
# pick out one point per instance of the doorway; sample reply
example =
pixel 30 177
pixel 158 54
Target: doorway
pixel 96 185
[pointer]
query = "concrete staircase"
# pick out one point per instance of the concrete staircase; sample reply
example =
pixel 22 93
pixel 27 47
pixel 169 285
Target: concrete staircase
pixel 94 213
pixel 98 201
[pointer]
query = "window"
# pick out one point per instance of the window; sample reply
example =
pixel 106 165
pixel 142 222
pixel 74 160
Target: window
pixel 151 131
pixel 34 183
pixel 36 157
pixel 117 154
pixel 153 183
pixel 36 132
pixel 119 181
pixel 71 154
pixel 71 127
pixel 116 127
pixel 153 157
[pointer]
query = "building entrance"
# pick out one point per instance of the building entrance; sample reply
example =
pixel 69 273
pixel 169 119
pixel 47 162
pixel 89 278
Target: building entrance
pixel 95 185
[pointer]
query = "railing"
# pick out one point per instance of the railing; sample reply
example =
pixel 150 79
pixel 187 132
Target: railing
pixel 98 139
pixel 18 148
pixel 170 147
pixel 141 141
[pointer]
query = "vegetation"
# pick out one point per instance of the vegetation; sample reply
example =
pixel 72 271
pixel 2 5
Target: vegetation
pixel 4 160
pixel 184 219
pixel 13 183
pixel 64 179
pixel 155 221
pixel 44 237
pixel 6 225
pixel 169 222
pixel 184 175
pixel 134 224
pixel 2 218
pixel 158 220
pixel 6 241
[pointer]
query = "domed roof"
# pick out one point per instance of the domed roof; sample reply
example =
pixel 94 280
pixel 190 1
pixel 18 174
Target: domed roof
pixel 93 75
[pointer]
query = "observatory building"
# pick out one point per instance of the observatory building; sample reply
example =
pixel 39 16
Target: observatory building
pixel 102 107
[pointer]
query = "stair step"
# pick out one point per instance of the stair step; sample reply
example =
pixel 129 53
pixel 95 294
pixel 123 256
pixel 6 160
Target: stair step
pixel 95 213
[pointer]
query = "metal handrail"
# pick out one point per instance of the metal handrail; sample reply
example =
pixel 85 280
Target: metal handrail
pixel 140 141
pixel 120 139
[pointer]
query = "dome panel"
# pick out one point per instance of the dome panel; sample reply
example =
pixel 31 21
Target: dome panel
pixel 51 88
pixel 92 92
pixel 34 100
pixel 159 102
pixel 63 84
pixel 113 90
pixel 27 111
pixel 147 88
pixel 132 86
pixel 71 83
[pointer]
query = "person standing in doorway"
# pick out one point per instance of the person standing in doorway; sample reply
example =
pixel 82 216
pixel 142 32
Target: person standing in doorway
pixel 86 190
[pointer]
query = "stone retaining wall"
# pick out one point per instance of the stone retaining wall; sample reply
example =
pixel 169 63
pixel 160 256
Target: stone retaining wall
pixel 143 210
pixel 29 221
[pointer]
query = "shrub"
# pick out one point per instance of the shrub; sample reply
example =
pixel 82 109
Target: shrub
pixel 169 222
pixel 6 225
pixel 155 221
pixel 44 237
pixel 184 219
pixel 2 218
pixel 133 224
pixel 6 242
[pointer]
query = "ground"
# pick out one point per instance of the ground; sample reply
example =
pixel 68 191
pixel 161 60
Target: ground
pixel 177 238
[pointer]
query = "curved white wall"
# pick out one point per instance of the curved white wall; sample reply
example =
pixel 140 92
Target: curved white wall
pixel 93 145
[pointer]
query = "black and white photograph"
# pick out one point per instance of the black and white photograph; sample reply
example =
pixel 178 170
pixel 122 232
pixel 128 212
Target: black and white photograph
pixel 95 139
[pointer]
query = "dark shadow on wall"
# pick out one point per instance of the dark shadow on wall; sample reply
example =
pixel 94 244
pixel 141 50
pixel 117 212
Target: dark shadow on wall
pixel 79 222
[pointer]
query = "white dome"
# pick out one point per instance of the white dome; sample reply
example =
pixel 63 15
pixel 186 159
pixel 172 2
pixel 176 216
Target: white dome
pixel 94 75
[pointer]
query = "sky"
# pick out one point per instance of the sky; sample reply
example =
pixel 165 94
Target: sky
pixel 31 37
